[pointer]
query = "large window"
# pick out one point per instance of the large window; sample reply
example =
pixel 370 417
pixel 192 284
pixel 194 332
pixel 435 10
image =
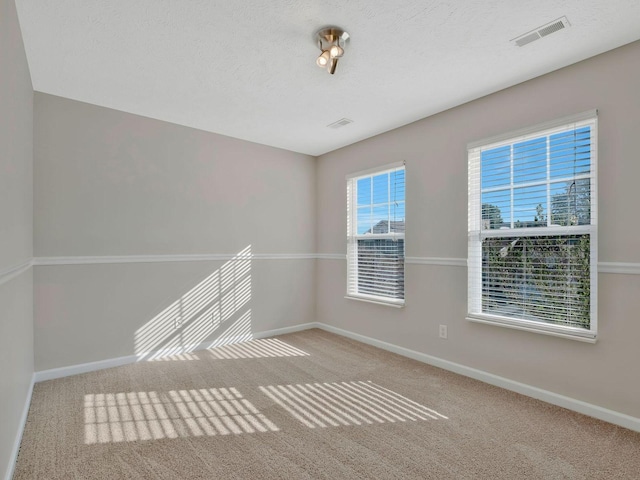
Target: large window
pixel 532 229
pixel 375 238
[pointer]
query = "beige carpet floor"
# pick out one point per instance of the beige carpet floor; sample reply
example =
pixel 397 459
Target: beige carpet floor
pixel 307 405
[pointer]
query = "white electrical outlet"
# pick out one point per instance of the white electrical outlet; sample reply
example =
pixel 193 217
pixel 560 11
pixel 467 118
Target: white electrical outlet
pixel 443 331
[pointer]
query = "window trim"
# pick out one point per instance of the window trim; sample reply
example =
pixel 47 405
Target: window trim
pixel 533 129
pixel 354 237
pixel 360 297
pixel 475 314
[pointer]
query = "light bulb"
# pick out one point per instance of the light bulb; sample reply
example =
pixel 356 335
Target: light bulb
pixel 336 51
pixel 323 59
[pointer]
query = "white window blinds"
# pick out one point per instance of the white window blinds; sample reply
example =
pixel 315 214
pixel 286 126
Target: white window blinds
pixel 375 235
pixel 532 229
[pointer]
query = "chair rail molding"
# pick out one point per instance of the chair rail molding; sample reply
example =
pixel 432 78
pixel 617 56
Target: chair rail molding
pixel 12 272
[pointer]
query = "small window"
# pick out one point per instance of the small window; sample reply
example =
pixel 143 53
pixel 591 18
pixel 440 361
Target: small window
pixel 532 229
pixel 375 238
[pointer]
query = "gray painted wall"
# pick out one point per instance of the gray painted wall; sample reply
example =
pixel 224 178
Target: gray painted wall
pixel 110 183
pixel 603 374
pixel 16 229
pixel 87 313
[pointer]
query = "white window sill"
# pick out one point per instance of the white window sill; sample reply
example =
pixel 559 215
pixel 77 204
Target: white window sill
pixel 535 327
pixel 376 300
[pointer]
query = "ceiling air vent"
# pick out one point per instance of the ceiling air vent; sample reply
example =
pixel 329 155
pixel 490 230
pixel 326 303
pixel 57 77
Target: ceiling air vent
pixel 340 123
pixel 542 31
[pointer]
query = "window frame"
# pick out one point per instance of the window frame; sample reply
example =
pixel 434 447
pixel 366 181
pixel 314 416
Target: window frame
pixel 476 233
pixel 353 236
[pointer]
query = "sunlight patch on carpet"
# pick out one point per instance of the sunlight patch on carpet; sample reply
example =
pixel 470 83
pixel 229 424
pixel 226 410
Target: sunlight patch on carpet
pixel 139 416
pixel 347 403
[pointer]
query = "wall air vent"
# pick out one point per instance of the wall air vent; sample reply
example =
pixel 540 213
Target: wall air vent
pixel 340 123
pixel 542 31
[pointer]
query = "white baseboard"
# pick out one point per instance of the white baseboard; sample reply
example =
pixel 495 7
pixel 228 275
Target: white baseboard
pixel 283 331
pixel 60 372
pixel 611 416
pixel 13 458
pixel 579 406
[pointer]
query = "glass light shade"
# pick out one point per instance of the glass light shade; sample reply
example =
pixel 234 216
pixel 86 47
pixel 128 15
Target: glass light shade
pixel 323 59
pixel 336 51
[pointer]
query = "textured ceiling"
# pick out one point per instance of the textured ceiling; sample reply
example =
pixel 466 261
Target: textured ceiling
pixel 247 69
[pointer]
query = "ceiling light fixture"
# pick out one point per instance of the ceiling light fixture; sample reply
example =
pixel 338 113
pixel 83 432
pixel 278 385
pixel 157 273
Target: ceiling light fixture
pixel 329 41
